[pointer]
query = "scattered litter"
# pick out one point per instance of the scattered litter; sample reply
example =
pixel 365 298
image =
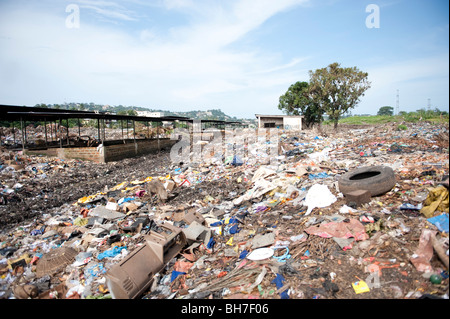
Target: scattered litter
pixel 318 196
pixel 253 225
pixel 260 254
pixel 360 287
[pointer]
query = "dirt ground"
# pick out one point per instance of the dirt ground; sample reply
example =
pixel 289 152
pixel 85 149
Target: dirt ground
pixel 67 181
pixel 318 268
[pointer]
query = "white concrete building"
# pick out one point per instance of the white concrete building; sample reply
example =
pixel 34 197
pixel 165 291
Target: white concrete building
pixel 150 114
pixel 280 121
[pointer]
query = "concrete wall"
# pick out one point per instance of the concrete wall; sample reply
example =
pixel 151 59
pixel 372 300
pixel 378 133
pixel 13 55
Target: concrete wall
pixel 277 120
pixel 141 147
pixel 282 122
pixel 108 153
pixel 292 123
pixel 51 152
pixel 81 153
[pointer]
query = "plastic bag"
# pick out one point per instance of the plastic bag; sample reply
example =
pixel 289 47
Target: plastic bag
pixel 437 199
pixel 111 252
pixel 440 221
pixel 278 281
pixel 318 196
pixel 351 229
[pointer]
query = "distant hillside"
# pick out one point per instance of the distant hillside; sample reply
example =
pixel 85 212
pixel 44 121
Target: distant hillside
pixel 214 114
pixel 204 115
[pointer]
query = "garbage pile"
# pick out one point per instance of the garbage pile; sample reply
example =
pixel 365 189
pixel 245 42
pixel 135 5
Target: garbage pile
pixel 248 228
pixel 33 185
pixel 83 136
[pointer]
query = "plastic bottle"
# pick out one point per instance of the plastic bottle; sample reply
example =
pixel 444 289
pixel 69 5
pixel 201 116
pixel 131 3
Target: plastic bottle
pixel 436 279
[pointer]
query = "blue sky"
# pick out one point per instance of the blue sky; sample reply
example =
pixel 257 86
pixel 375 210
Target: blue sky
pixel 236 55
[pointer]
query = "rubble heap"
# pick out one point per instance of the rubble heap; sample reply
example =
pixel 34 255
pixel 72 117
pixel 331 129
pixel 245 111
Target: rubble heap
pixel 245 227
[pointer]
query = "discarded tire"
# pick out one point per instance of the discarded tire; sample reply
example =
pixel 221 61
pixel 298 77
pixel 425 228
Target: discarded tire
pixel 375 179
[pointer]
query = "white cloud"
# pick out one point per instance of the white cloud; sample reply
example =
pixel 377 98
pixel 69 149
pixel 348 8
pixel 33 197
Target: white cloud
pixel 177 4
pixel 99 3
pixel 185 66
pixel 109 13
pixel 192 66
pixel 409 70
pixel 416 79
pixel 221 25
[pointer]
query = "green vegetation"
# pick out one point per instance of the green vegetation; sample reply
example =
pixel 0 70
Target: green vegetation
pixel 332 90
pixel 337 90
pixel 433 116
pixel 213 114
pixel 386 110
pixel 367 119
pixel 297 101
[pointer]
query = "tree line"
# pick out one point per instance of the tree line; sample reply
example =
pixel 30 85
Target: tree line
pixel 333 90
pixel 421 113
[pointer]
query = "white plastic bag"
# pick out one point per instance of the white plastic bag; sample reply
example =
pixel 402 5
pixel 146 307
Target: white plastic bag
pixel 318 196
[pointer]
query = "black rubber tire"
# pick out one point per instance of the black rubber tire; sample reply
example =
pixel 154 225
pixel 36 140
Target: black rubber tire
pixel 375 179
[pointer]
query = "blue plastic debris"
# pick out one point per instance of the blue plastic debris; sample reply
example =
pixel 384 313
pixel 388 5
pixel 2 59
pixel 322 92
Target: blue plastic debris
pixel 111 252
pixel 278 281
pixel 219 223
pixel 318 175
pixel 175 274
pixel 237 161
pixel 92 271
pixel 211 243
pixel 125 199
pixel 407 206
pixel 284 257
pixel 441 222
pixel 234 229
pixel 243 254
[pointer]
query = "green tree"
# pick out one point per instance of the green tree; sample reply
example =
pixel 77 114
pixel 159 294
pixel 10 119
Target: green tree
pixel 296 101
pixel 291 101
pixel 127 112
pixel 337 90
pixel 386 110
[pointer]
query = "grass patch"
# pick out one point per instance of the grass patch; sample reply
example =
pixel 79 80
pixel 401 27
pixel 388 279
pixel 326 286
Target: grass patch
pixel 383 119
pixel 366 120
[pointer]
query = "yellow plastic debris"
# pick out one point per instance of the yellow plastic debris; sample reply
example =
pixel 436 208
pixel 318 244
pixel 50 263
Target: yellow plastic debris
pixel 85 199
pixel 119 186
pixel 79 221
pixel 137 182
pixel 129 188
pixel 360 287
pixel 437 200
pixel 26 257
